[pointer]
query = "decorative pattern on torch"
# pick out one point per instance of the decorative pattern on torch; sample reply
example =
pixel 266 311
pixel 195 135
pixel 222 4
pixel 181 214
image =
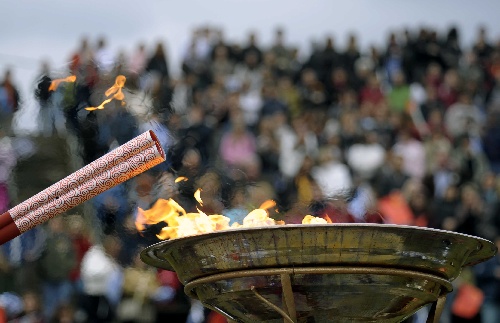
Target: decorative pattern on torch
pixel 119 155
pixel 82 192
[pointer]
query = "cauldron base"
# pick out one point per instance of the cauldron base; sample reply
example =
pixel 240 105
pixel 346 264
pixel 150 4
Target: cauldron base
pixel 320 273
pixel 320 294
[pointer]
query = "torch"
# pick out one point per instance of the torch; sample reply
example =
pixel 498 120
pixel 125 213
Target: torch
pixel 128 160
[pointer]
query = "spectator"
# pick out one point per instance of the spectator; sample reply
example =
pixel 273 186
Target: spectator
pixel 470 216
pixel 65 314
pixel 56 286
pixel 451 50
pixel 365 158
pixel 295 143
pixel 463 118
pixel 81 241
pixel 249 71
pixel 51 107
pixel 21 257
pixel 390 177
pixel 491 140
pixel 469 162
pixel 252 49
pixel 281 51
pixel 238 148
pixel 482 47
pixel 221 65
pixel 140 285
pixel 268 147
pixel 8 160
pixel 450 88
pixel 351 54
pixel 250 101
pixel 289 94
pixel 138 60
pixel 196 134
pixel 393 57
pixel 327 60
pixel 101 278
pixel 103 56
pixel 157 64
pixel 413 154
pixel 444 207
pixel 32 309
pixel 82 57
pixel 305 185
pixel 371 93
pixel 332 176
pixel 399 94
pixel 9 102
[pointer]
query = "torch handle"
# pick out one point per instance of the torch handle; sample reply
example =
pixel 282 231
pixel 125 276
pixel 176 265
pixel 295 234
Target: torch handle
pixel 5 219
pixel 9 232
pixel 46 205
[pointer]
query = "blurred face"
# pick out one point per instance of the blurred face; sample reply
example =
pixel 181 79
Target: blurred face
pixel 112 246
pixel 451 193
pixel 191 159
pixel 398 79
pixel 251 59
pixel 397 162
pixel 489 180
pixel 56 225
pixel 221 52
pixel 373 81
pixel 31 303
pixel 469 196
pixel 339 76
pixel 308 77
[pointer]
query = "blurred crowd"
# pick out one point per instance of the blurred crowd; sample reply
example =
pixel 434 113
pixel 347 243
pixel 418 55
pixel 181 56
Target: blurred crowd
pixel 406 133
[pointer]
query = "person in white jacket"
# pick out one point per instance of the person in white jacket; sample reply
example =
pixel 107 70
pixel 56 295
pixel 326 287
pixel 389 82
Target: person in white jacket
pixel 332 176
pixel 102 280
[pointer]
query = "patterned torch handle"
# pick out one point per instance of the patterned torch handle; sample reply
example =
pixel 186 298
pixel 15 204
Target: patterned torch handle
pixel 13 225
pixel 102 164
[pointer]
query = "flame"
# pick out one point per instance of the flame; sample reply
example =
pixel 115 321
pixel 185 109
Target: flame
pixel 181 224
pixel 266 205
pixel 55 83
pixel 115 91
pixel 258 218
pixel 180 179
pixel 309 219
pixel 191 224
pixel 197 196
pixel 99 107
pixel 163 210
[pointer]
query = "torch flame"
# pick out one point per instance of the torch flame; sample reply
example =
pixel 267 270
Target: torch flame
pixel 115 90
pixel 99 107
pixel 55 83
pixel 180 179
